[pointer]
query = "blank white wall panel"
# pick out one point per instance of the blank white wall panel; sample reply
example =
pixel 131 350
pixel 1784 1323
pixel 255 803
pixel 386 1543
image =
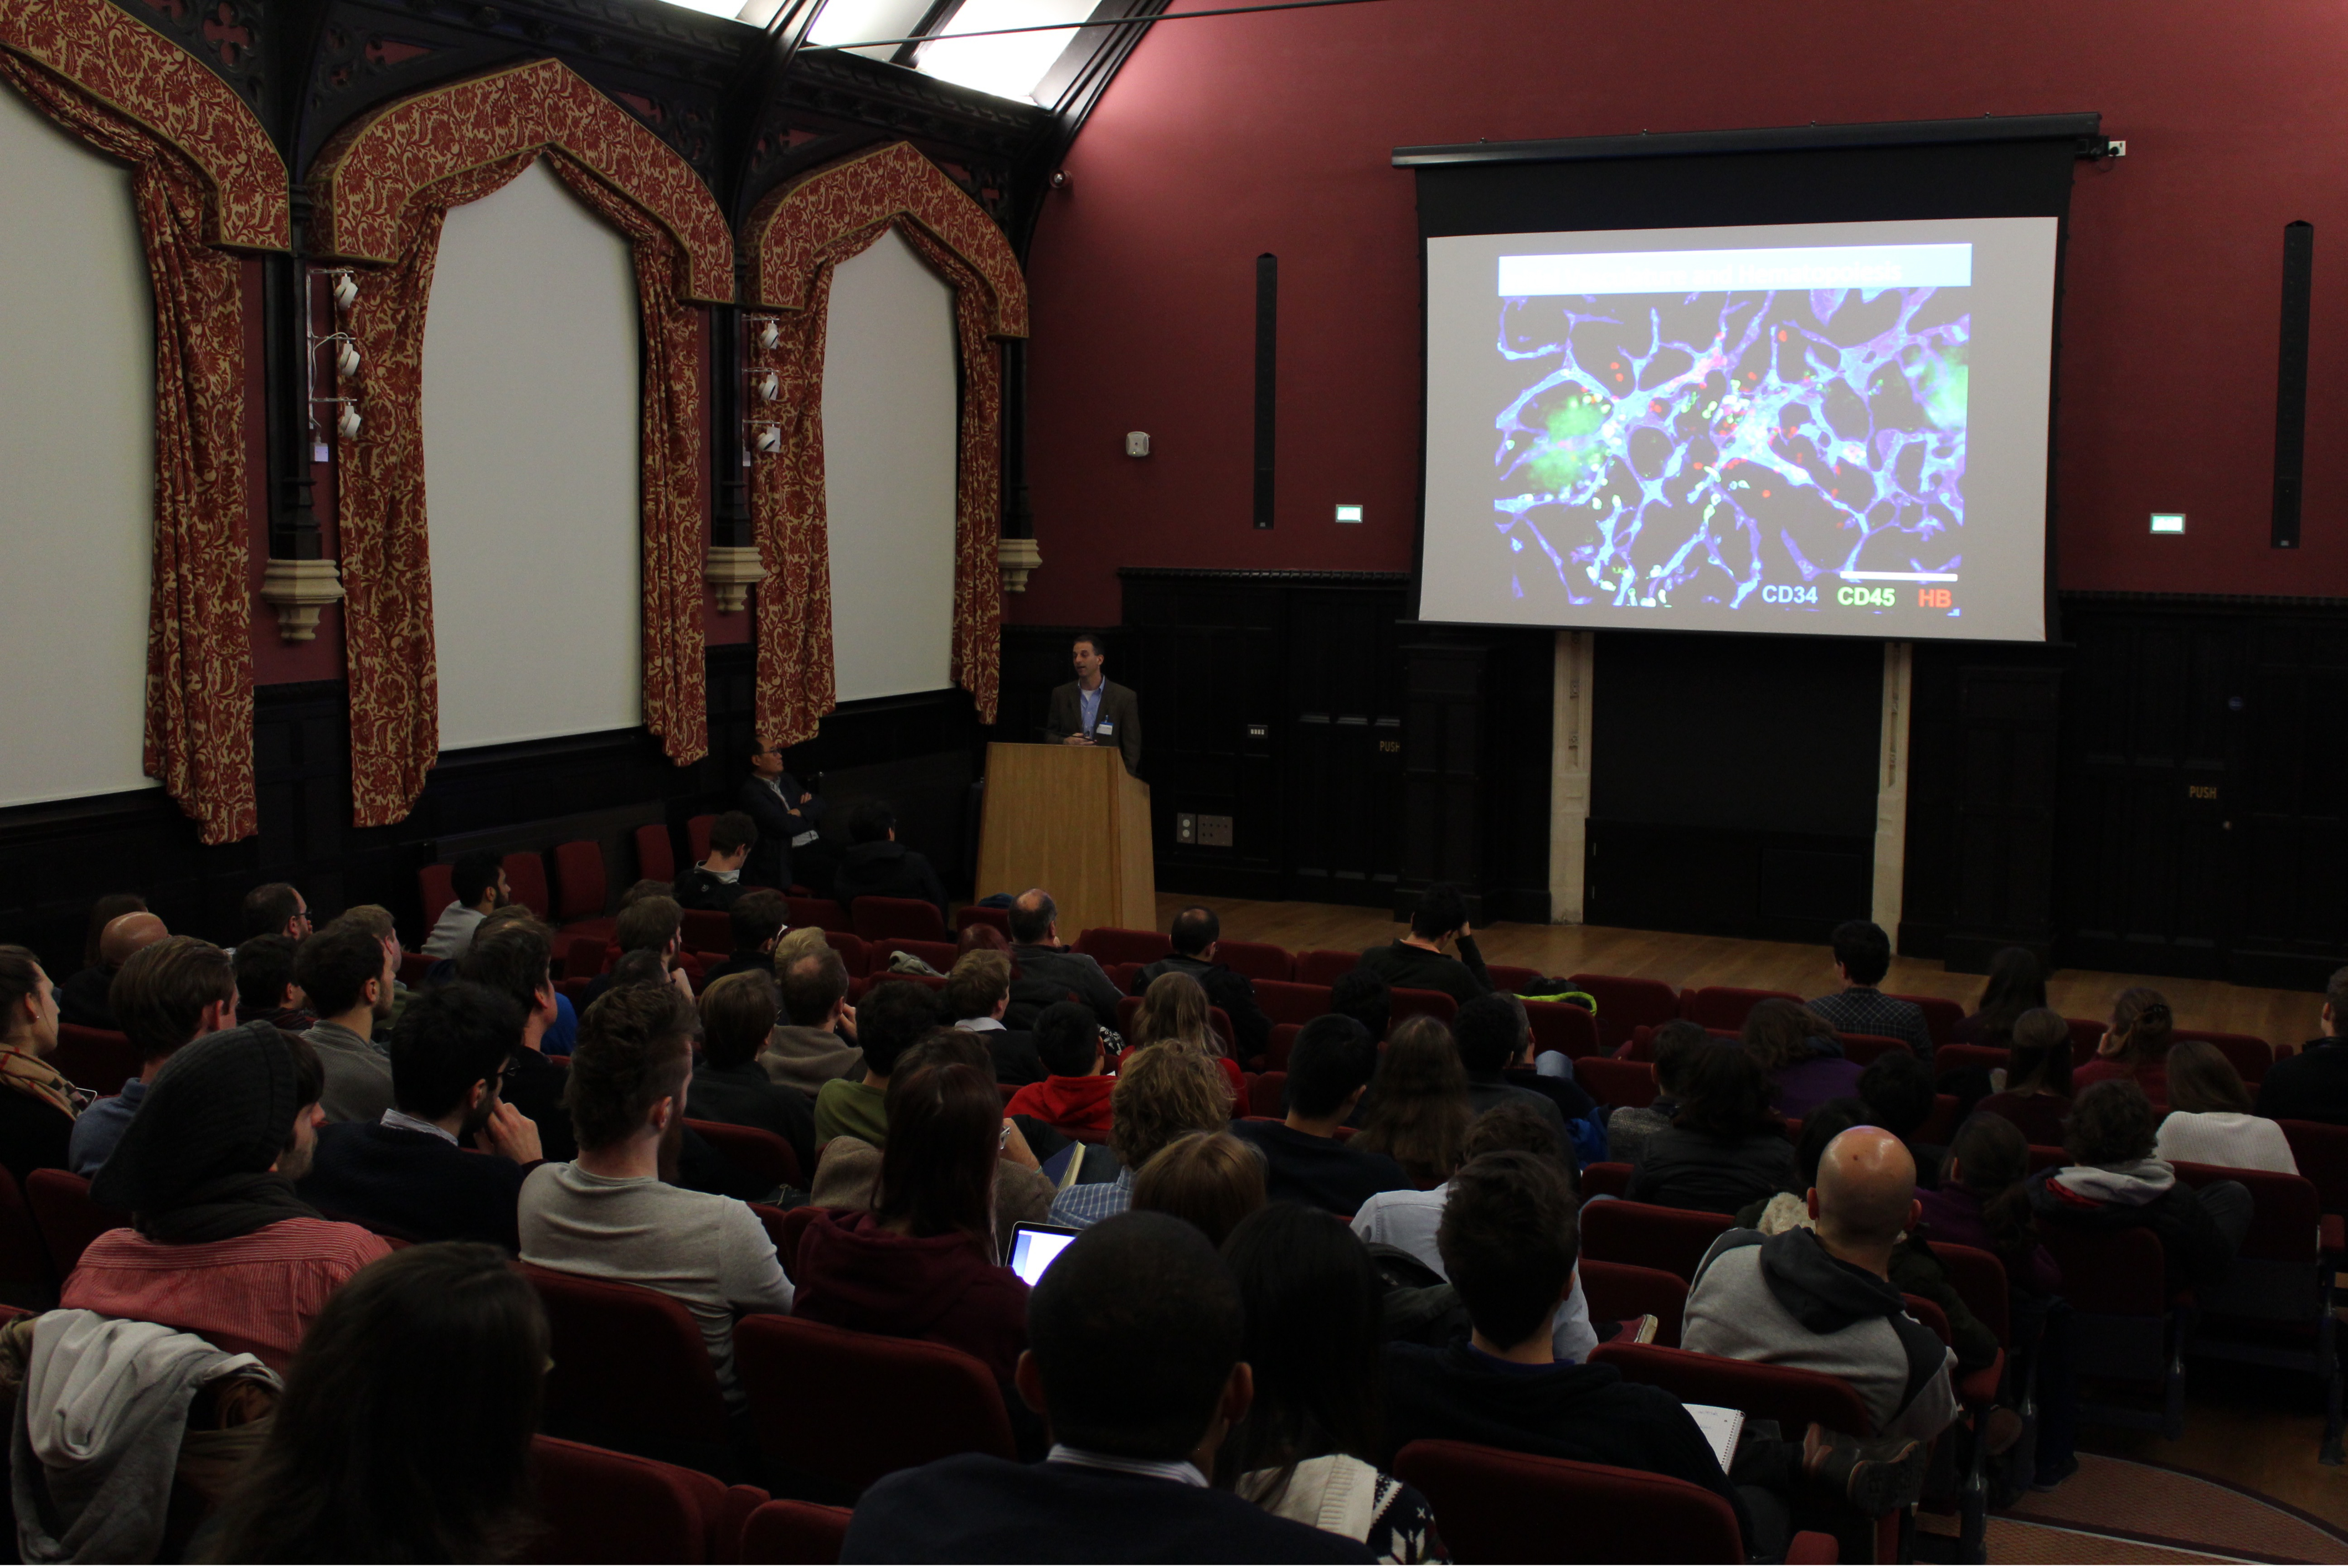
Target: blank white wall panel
pixel 77 466
pixel 891 384
pixel 531 464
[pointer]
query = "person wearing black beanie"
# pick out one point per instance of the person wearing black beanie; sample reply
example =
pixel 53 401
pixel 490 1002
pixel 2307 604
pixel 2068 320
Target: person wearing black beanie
pixel 218 1245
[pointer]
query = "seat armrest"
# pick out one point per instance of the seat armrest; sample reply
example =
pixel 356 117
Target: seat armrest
pixel 1812 1546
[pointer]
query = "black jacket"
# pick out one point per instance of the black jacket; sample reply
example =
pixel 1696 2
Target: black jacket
pixel 1485 1089
pixel 83 1003
pixel 1320 1173
pixel 739 962
pixel 2197 1253
pixel 1226 988
pixel 699 888
pixel 769 865
pixel 746 1097
pixel 1068 971
pixel 1685 1170
pixel 886 869
pixel 1400 965
pixel 2310 1086
pixel 1584 1413
pixel 413 1184
pixel 1017 1059
pixel 1119 709
pixel 975 1508
pixel 33 1135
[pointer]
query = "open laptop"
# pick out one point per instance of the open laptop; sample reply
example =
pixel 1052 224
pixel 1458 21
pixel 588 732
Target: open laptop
pixel 1033 1247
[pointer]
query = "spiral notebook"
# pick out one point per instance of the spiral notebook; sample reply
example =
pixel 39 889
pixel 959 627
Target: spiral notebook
pixel 1721 1427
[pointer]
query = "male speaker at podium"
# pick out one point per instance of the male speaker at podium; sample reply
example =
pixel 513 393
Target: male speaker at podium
pixel 1093 711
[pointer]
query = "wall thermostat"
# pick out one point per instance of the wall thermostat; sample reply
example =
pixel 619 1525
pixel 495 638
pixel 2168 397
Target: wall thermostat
pixel 1137 443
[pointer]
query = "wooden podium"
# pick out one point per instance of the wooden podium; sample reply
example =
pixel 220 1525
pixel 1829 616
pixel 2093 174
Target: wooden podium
pixel 1071 821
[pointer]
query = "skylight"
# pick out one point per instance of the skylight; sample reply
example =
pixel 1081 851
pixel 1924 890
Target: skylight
pixel 846 21
pixel 1009 64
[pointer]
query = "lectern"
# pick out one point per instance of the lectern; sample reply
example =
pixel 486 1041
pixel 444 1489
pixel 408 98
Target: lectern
pixel 1071 821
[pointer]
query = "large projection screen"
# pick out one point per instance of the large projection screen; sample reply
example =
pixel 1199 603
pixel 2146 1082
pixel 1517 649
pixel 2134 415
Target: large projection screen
pixel 531 460
pixel 1833 428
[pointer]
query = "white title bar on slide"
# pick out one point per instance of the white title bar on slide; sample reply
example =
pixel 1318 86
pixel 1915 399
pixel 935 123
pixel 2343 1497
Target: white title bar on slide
pixel 1722 271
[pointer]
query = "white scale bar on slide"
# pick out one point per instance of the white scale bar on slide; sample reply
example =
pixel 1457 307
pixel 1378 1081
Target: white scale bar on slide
pixel 1897 576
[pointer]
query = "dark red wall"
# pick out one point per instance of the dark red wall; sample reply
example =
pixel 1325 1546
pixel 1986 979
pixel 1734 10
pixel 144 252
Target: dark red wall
pixel 1222 139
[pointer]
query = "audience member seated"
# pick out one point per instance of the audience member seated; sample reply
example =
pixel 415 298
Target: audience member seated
pixel 1161 1092
pixel 2036 1094
pixel 2114 1183
pixel 265 992
pixel 1915 1268
pixel 2134 1045
pixel 717 883
pixel 1410 1221
pixel 977 993
pixel 849 1174
pixel 2210 1120
pixel 414 1173
pixel 1366 999
pixel 1423 958
pixel 1494 1035
pixel 1209 1180
pixel 180 989
pixel 82 999
pixel 1416 1108
pixel 274 909
pixel 1075 1095
pixel 809 1050
pixel 403 1434
pixel 104 911
pixel 1308 1448
pixel 38 1114
pixel 347 977
pixel 1862 954
pixel 515 958
pixel 2313 1085
pixel 479 883
pixel 920 1264
pixel 1799 1054
pixel 2016 984
pixel 1195 932
pixel 654 925
pixel 1174 1012
pixel 1136 1341
pixel 1328 1069
pixel 1629 1127
pixel 737 1015
pixel 608 1215
pixel 1509 1241
pixel 876 865
pixel 218 1245
pixel 1820 1296
pixel 894 1015
pixel 1726 1147
pixel 1035 947
pixel 758 919
pixel 376 919
pixel 1897 1089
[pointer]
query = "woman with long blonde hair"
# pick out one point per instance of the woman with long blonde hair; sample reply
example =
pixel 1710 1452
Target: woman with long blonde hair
pixel 1174 1012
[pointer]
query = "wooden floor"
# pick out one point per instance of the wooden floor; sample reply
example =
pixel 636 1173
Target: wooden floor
pixel 2241 1427
pixel 2272 1015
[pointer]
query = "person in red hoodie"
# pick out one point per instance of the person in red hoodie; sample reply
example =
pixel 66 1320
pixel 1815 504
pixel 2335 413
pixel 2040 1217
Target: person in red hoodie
pixel 920 1264
pixel 1075 1098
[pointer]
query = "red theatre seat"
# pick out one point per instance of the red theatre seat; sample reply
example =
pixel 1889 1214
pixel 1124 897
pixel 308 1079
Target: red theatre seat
pixel 1322 966
pixel 656 852
pixel 832 1403
pixel 1257 961
pixel 582 958
pixel 2086 1033
pixel 526 879
pixel 1291 1002
pixel 631 1369
pixel 788 1532
pixel 1116 944
pixel 1650 1236
pixel 1950 1058
pixel 938 956
pixel 1724 1006
pixel 820 912
pixel 1267 1095
pixel 435 889
pixel 1627 1001
pixel 1942 1016
pixel 1408 1003
pixel 1493 1505
pixel 1282 1042
pixel 581 891
pixel 2127 1329
pixel 852 952
pixel 2320 1150
pixel 916 918
pixel 2275 1304
pixel 1614 1083
pixel 26 1271
pixel 1563 1026
pixel 754 1151
pixel 1620 1292
pixel 971 915
pixel 98 1058
pixel 598 1506
pixel 2251 1055
pixel 697 836
pixel 1864 1049
pixel 66 1218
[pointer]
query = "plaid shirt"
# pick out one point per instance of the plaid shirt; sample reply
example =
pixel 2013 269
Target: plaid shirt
pixel 1088 1203
pixel 1863 1009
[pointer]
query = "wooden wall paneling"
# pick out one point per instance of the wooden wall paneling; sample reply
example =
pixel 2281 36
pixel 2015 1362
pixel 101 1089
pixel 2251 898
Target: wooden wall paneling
pixel 2005 812
pixel 1515 878
pixel 1443 760
pixel 1928 896
pixel 2288 809
pixel 1344 728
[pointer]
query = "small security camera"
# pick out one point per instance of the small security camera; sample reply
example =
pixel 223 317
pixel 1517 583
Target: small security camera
pixel 1059 181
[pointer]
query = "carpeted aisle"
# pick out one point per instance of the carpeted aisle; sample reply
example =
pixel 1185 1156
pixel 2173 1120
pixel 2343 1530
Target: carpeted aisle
pixel 2123 1511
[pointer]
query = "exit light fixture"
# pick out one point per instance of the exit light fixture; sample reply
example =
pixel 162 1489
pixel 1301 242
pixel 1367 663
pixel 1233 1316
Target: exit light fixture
pixel 2168 522
pixel 1346 514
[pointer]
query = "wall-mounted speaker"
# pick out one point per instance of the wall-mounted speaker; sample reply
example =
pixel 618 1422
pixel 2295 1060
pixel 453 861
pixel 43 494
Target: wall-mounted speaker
pixel 2291 381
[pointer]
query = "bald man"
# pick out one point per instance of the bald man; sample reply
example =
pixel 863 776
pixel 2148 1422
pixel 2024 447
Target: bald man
pixel 1037 948
pixel 82 999
pixel 1820 1298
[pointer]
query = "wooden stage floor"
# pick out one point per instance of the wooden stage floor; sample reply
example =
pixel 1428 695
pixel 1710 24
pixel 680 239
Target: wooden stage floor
pixel 1681 960
pixel 2253 1429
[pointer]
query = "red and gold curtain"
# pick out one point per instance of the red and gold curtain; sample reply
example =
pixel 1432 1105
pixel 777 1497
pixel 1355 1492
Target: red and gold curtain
pixel 203 173
pixel 797 238
pixel 482 133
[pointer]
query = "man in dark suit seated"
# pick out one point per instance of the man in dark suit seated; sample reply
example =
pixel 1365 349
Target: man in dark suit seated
pixel 977 994
pixel 1195 933
pixel 1328 1068
pixel 788 819
pixel 1134 1343
pixel 1035 949
pixel 738 1014
pixel 1093 711
pixel 759 919
pixel 2313 1086
pixel 415 1172
pixel 877 866
pixel 716 882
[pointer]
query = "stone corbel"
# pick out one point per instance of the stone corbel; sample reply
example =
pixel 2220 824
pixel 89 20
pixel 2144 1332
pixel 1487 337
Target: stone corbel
pixel 298 590
pixel 732 570
pixel 1017 559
